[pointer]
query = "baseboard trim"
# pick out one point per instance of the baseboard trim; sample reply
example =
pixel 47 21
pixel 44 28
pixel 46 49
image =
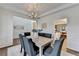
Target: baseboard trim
pixel 72 51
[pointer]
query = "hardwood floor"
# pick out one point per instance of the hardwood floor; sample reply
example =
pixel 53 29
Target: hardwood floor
pixel 3 51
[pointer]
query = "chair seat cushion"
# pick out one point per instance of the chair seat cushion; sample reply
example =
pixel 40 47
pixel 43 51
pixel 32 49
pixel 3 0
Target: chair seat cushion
pixel 48 51
pixel 56 48
pixel 53 51
pixel 35 47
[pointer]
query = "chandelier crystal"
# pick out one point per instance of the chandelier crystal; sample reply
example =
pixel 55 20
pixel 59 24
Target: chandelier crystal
pixel 33 10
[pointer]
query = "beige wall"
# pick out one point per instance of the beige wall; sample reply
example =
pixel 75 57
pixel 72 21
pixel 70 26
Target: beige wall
pixel 21 22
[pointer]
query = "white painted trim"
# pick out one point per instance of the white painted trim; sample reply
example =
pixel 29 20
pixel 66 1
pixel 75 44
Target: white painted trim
pixel 57 9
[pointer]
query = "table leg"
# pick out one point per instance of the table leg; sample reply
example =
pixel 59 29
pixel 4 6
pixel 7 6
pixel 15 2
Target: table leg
pixel 40 51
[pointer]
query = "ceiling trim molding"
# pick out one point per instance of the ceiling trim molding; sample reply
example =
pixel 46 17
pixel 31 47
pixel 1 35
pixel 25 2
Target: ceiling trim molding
pixel 15 9
pixel 56 10
pixel 44 14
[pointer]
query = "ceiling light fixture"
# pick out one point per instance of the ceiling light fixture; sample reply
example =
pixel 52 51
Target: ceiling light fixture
pixel 33 10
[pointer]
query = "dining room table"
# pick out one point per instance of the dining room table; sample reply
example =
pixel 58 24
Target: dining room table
pixel 41 42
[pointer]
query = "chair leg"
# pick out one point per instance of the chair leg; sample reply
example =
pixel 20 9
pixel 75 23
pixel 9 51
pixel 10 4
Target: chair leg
pixel 24 53
pixel 21 49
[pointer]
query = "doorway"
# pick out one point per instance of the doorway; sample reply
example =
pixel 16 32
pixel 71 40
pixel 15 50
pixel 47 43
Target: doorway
pixel 61 27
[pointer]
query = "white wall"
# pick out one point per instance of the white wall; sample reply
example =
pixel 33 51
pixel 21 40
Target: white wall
pixel 26 23
pixel 6 28
pixel 72 27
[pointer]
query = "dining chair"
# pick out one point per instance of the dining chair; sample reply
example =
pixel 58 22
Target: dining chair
pixel 29 49
pixel 27 34
pixel 56 50
pixel 21 41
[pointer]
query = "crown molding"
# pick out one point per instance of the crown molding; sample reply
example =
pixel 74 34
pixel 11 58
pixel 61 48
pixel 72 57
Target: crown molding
pixel 57 9
pixel 15 9
pixel 42 15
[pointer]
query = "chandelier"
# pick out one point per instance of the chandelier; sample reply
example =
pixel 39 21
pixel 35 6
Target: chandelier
pixel 33 10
